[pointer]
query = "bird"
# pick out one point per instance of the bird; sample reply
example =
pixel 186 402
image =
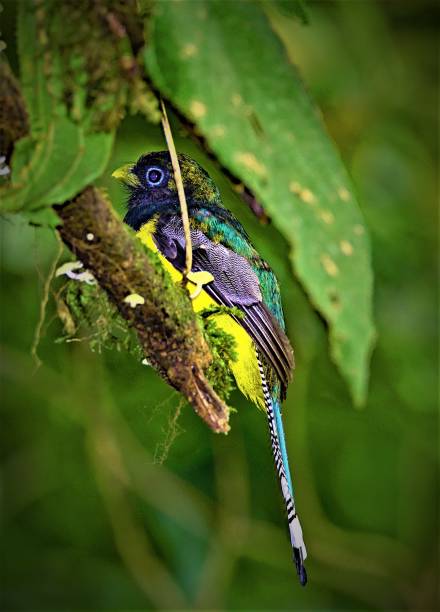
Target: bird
pixel 239 279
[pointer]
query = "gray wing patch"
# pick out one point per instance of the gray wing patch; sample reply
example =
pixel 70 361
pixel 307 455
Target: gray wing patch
pixel 235 284
pixel 233 275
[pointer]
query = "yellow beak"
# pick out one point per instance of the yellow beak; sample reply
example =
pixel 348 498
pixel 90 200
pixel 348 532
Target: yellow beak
pixel 125 175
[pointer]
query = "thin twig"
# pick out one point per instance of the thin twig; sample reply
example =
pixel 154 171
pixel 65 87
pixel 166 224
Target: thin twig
pixel 43 305
pixel 163 448
pixel 180 189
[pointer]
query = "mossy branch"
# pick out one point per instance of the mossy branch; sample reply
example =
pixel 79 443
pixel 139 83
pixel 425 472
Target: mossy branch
pixel 165 323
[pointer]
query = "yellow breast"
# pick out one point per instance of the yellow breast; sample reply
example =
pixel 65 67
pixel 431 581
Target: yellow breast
pixel 245 369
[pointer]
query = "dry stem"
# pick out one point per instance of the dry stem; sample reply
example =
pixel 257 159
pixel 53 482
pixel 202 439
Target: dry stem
pixel 180 190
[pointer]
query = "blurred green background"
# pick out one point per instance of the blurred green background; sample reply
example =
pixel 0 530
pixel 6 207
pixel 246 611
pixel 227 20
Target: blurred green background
pixel 116 496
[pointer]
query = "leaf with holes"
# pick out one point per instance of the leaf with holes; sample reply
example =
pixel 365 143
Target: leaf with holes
pixel 227 71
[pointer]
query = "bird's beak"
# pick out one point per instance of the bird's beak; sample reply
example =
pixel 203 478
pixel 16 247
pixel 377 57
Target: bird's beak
pixel 126 176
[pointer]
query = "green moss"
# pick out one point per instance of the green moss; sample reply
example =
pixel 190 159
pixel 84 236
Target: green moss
pixel 178 308
pixel 93 60
pixel 223 349
pixel 88 315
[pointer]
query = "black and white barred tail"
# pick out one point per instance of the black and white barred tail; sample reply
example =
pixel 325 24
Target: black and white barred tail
pixel 282 467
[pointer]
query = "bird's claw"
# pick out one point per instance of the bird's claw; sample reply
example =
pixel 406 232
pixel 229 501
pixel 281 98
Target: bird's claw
pixel 199 279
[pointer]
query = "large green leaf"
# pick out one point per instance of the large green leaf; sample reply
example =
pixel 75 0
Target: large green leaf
pixel 225 69
pixel 59 157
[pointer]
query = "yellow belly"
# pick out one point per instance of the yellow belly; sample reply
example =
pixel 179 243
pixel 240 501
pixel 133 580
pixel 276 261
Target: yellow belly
pixel 245 369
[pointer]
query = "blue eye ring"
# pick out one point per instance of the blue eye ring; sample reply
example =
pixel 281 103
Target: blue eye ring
pixel 154 176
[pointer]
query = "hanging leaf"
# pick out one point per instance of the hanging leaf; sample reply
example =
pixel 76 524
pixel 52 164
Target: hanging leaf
pixel 291 8
pixel 227 71
pixel 77 77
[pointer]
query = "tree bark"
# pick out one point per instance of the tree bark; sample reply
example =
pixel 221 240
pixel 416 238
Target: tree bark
pixel 165 323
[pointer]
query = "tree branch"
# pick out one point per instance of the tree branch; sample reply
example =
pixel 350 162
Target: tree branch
pixel 165 324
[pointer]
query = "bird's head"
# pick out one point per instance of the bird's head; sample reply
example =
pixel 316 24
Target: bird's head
pixel 152 188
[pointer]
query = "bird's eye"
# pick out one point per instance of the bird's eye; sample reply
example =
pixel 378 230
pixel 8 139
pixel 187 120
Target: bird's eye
pixel 154 176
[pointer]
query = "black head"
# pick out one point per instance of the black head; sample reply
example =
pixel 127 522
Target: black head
pixel 152 188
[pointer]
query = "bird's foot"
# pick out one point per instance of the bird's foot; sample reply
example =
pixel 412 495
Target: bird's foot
pixel 199 279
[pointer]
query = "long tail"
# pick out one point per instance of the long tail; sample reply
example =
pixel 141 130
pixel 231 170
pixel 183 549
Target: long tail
pixel 282 465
